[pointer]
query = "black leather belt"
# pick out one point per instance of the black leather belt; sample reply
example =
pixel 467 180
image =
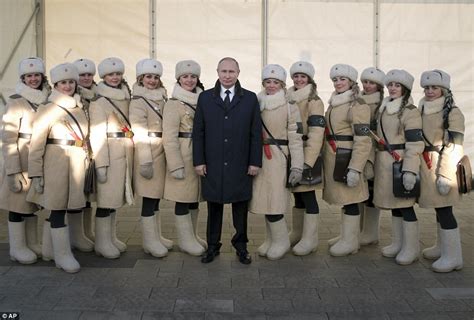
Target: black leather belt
pixel 339 137
pixel 120 134
pixel 185 134
pixel 65 142
pixel 24 135
pixel 274 142
pixel 155 134
pixel 381 147
pixel 305 137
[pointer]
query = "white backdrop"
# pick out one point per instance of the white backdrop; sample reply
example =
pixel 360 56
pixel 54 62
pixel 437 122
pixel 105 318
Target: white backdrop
pixel 413 35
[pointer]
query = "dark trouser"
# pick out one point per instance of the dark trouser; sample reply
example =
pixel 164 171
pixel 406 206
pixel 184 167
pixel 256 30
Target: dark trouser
pixel 445 218
pixel 182 208
pixel 408 214
pixel 306 200
pixel 214 224
pixel 369 202
pixel 18 217
pixel 351 209
pixel 149 206
pixel 57 218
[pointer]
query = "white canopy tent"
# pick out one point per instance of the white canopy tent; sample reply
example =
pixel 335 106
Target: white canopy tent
pixel 414 35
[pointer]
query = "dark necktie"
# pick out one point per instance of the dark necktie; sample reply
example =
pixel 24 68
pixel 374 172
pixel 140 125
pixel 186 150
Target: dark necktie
pixel 227 100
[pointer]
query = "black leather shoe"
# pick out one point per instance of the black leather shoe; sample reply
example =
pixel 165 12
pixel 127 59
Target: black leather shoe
pixel 209 256
pixel 244 257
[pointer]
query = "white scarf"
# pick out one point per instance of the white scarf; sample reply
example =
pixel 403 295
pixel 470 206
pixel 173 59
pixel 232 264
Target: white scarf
pixel 35 96
pixel 88 94
pixel 185 95
pixel 273 101
pixel 340 99
pixel 64 100
pixel 371 98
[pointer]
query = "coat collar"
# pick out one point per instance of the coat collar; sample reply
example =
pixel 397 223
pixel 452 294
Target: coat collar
pixel 296 96
pixel 186 96
pixel 270 102
pixel 32 95
pixel 153 95
pixel 393 106
pixel 113 93
pixel 88 94
pixel 372 98
pixel 216 94
pixel 431 107
pixel 340 99
pixel 65 101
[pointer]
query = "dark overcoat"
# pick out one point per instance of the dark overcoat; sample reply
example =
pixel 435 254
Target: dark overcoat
pixel 227 142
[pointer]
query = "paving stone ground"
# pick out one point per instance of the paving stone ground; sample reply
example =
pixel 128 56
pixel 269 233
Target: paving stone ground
pixel 315 287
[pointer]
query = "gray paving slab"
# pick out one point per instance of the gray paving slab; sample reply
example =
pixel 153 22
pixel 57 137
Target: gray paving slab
pixel 128 303
pixel 245 305
pixel 178 293
pixel 50 315
pixel 174 316
pixel 111 315
pixel 204 305
pixel 235 316
pixel 296 316
pixel 451 293
pixel 357 315
pixel 86 303
pixel 419 316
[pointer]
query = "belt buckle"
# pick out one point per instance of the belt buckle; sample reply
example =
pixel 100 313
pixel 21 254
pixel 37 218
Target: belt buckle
pixel 78 143
pixel 129 134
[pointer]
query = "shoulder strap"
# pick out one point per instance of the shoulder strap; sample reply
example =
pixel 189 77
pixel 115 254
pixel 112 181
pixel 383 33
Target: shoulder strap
pixel 389 147
pixel 75 120
pixel 274 140
pixel 330 125
pixel 120 111
pixel 152 107
pixel 32 105
pixel 189 105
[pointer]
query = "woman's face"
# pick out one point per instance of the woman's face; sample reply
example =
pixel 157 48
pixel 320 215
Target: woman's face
pixel 369 86
pixel 67 87
pixel 113 79
pixel 300 80
pixel 151 81
pixel 341 84
pixel 432 93
pixel 33 80
pixel 86 80
pixel 271 86
pixel 395 89
pixel 188 81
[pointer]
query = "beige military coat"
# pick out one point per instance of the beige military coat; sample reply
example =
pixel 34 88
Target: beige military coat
pixel 398 130
pixel 444 164
pixel 63 167
pixel 146 116
pixel 269 192
pixel 312 119
pixel 17 126
pixel 178 120
pixel 347 118
pixel 114 153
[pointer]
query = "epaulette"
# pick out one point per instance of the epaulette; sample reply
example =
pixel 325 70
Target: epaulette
pixel 173 99
pixel 360 101
pixel 410 107
pixel 316 98
pixel 136 97
pixel 15 96
pixel 96 98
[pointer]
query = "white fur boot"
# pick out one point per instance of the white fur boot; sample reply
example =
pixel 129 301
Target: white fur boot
pixel 122 247
pixel 166 242
pixel 297 218
pixel 349 242
pixel 410 244
pixel 370 230
pixel 309 240
pixel 263 249
pixel 334 240
pixel 451 252
pixel 31 229
pixel 434 252
pixel 151 242
pixel 280 240
pixel 87 219
pixel 18 248
pixel 63 256
pixel 78 238
pixel 194 218
pixel 186 240
pixel 397 233
pixel 47 243
pixel 103 239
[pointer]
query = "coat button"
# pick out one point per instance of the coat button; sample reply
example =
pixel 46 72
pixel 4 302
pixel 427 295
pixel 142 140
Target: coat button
pixel 226 117
pixel 225 140
pixel 225 163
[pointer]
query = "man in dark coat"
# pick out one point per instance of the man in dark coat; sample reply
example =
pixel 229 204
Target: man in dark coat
pixel 227 153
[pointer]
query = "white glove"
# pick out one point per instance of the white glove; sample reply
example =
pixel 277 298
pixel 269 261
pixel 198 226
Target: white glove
pixel 443 185
pixel 296 175
pixel 101 174
pixel 369 170
pixel 38 184
pixel 409 180
pixel 178 174
pixel 353 178
pixel 16 182
pixel 146 170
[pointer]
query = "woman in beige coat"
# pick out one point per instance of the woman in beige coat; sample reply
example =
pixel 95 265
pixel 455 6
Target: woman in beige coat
pixel 372 93
pixel 399 124
pixel 182 184
pixel 443 132
pixel 347 129
pixel 112 144
pixel 305 215
pixel 146 116
pixel 58 160
pixel 17 122
pixel 282 138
